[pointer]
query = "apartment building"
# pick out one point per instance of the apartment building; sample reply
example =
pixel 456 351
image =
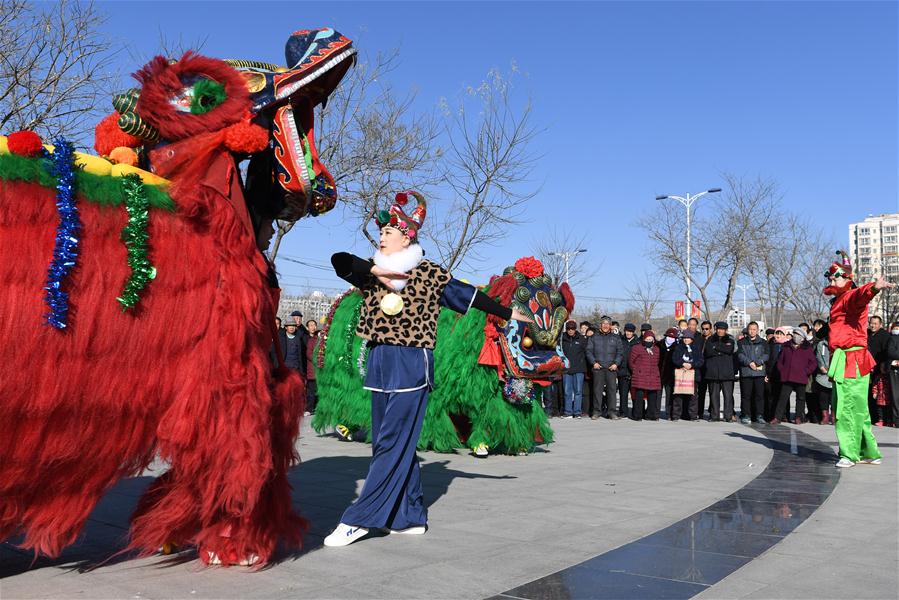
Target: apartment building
pixel 874 251
pixel 314 305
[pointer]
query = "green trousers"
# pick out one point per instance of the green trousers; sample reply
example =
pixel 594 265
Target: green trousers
pixel 853 421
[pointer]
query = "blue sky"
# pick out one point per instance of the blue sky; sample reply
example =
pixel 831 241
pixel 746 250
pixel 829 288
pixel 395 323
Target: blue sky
pixel 637 99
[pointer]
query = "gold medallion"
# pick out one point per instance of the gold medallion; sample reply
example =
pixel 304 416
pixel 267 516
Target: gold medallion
pixel 392 304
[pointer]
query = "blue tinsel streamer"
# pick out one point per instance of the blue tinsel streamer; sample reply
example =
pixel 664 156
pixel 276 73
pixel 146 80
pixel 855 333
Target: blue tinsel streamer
pixel 67 233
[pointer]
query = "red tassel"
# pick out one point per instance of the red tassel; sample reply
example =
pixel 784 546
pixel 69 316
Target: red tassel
pixel 568 296
pixel 246 138
pixel 25 143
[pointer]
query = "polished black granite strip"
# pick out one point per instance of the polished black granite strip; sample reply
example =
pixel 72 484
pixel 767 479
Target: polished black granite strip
pixel 686 558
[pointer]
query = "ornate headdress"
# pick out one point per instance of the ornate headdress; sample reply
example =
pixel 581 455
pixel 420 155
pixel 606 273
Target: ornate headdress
pixel 397 218
pixel 841 267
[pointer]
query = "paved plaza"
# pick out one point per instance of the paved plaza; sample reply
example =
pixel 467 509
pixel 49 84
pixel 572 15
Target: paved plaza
pixel 499 524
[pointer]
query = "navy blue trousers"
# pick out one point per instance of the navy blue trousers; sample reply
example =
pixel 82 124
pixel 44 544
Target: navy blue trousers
pixel 391 496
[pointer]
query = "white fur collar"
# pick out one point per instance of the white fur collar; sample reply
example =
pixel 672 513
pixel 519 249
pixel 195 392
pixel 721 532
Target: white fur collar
pixel 403 261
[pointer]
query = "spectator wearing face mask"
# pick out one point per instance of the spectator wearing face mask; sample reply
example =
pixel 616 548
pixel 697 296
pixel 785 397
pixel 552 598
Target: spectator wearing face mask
pixel 666 368
pixel 719 370
pixel 795 364
pixel 646 383
pixel 893 373
pixel 878 341
pixel 687 357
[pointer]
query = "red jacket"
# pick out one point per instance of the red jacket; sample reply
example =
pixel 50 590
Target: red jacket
pixel 644 367
pixel 849 327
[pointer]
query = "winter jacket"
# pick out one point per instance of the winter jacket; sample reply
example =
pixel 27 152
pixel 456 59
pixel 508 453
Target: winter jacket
pixel 719 358
pixel 751 350
pixel 893 351
pixel 688 354
pixel 771 366
pixel 796 363
pixel 294 352
pixel 877 345
pixel 605 349
pixel 574 347
pixel 822 357
pixel 643 364
pixel 627 344
pixel 666 367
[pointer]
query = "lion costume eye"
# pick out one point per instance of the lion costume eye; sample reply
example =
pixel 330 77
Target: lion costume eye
pixel 200 97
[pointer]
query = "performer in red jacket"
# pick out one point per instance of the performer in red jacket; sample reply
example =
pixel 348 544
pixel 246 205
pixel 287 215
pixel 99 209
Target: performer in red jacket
pixel 851 363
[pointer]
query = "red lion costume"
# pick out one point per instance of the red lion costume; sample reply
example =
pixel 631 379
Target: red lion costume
pixel 95 401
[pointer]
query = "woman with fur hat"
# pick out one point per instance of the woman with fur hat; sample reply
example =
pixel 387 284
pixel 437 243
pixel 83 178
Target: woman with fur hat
pixel 402 295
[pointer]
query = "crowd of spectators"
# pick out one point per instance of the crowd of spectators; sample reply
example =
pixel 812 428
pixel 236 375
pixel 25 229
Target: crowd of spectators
pixel 694 367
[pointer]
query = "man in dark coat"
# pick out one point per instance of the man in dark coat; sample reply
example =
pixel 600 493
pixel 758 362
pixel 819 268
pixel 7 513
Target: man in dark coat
pixel 752 352
pixel 878 341
pixel 628 341
pixel 705 332
pixel 293 347
pixel 605 353
pixel 574 346
pixel 719 371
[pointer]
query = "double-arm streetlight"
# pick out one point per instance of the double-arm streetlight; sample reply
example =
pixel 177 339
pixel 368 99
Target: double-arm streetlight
pixel 688 202
pixel 567 256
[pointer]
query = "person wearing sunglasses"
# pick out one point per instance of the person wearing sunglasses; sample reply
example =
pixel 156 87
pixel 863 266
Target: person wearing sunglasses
pixel 851 363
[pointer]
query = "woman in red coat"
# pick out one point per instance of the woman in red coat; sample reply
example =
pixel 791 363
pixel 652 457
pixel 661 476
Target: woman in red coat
pixel 643 363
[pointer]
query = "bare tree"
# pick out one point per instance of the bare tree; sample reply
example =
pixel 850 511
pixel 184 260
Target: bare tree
pixel 373 143
pixel 488 161
pixel 550 249
pixel 722 236
pixel 786 270
pixel 645 294
pixel 53 67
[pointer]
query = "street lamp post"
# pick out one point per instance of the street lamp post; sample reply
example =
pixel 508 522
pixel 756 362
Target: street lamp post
pixel 688 202
pixel 567 256
pixel 743 287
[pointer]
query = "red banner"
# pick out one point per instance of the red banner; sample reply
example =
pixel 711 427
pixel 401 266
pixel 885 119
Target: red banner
pixel 679 310
pixel 694 309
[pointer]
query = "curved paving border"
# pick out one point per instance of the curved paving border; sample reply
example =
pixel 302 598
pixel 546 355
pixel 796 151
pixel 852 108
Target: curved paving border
pixel 687 557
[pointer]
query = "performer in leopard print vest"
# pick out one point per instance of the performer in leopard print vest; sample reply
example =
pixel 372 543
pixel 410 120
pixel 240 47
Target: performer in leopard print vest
pixel 402 294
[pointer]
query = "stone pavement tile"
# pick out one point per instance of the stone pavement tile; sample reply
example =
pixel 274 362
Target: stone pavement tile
pixel 733 589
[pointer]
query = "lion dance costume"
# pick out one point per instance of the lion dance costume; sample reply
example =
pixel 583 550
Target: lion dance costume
pixel 851 363
pixel 114 270
pixel 489 372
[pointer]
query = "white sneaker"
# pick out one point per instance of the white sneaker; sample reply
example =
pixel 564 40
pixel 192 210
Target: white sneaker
pixel 481 451
pixel 845 463
pixel 344 535
pixel 415 530
pixel 870 461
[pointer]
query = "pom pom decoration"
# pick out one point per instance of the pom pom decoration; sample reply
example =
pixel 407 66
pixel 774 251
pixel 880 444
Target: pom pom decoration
pixel 402 198
pixel 383 217
pixel 567 296
pixel 529 266
pixel 123 156
pixel 246 138
pixel 25 143
pixel 108 136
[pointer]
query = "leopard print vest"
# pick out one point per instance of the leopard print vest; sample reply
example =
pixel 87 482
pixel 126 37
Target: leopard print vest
pixel 416 324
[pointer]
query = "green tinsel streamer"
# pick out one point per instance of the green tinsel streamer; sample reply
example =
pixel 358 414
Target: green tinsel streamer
pixel 135 236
